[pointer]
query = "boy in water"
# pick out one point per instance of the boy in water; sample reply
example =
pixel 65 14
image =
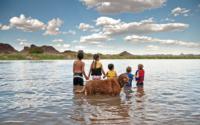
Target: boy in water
pixel 128 87
pixel 79 69
pixel 130 76
pixel 111 73
pixel 139 76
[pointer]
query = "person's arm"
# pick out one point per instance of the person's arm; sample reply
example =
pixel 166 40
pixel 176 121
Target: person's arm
pixel 102 70
pixel 137 74
pixel 132 77
pixel 105 75
pixel 90 71
pixel 115 74
pixel 83 71
pixel 74 67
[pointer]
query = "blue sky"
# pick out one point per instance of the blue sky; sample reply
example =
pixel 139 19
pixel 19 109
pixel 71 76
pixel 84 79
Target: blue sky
pixel 137 26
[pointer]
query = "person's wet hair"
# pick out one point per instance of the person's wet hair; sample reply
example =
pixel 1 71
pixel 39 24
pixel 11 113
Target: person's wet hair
pixel 110 66
pixel 140 66
pixel 96 56
pixel 80 54
pixel 128 69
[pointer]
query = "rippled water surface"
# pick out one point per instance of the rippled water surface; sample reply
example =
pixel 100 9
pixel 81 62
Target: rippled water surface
pixel 41 93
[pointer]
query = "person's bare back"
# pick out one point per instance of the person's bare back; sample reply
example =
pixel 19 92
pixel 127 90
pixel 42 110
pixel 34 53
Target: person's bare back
pixel 79 69
pixel 78 66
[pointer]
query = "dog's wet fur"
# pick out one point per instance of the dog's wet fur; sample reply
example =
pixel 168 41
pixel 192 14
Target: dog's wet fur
pixel 106 87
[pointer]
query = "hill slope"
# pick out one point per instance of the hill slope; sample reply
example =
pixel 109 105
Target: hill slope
pixel 6 48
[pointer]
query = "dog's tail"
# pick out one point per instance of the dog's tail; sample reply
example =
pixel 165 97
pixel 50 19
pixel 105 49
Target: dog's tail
pixel 80 91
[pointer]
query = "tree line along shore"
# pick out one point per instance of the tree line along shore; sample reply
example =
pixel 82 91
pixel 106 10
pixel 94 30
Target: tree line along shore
pixel 7 52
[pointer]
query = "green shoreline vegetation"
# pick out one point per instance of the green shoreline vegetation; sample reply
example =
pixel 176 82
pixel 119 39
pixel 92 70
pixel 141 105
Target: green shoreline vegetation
pixel 7 52
pixel 37 56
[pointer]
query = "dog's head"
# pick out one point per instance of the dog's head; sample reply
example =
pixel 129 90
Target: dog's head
pixel 123 79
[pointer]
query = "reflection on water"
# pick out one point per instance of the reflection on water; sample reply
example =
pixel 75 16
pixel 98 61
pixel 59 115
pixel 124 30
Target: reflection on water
pixel 41 92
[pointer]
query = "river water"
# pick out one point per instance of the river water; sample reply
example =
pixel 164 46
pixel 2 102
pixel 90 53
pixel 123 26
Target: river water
pixel 41 93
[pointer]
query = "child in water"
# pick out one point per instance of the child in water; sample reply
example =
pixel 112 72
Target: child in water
pixel 128 87
pixel 139 76
pixel 130 76
pixel 96 68
pixel 79 69
pixel 111 73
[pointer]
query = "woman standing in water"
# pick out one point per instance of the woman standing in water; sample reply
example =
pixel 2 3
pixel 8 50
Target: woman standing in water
pixel 96 68
pixel 79 69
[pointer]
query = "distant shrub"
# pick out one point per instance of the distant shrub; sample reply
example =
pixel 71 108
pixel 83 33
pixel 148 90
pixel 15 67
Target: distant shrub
pixel 36 50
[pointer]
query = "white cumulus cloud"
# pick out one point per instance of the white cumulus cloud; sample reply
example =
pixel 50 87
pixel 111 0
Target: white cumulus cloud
pixel 27 23
pixel 152 47
pixel 23 42
pixel 85 27
pixel 62 47
pixel 102 21
pixel 60 44
pixel 169 19
pixel 180 11
pixel 4 27
pixel 112 26
pixel 70 32
pixel 122 6
pixel 58 41
pixel 79 47
pixel 53 27
pixel 146 39
pixel 95 37
pixel 66 45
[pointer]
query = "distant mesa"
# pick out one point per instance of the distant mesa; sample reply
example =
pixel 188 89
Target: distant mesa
pixel 69 51
pixel 70 54
pixel 48 52
pixel 40 49
pixel 7 49
pixel 73 54
pixel 25 50
pixel 49 49
pixel 125 53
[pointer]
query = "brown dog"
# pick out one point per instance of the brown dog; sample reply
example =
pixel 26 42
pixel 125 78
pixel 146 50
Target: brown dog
pixel 108 87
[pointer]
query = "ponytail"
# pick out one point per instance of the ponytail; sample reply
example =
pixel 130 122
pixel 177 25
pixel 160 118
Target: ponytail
pixel 95 57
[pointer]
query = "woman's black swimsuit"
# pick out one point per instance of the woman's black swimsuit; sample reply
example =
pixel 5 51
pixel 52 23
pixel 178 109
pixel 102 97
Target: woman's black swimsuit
pixel 96 72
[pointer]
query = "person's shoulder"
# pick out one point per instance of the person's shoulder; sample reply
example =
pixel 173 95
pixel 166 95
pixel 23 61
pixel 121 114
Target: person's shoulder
pixel 99 62
pixel 75 61
pixel 82 61
pixel 130 75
